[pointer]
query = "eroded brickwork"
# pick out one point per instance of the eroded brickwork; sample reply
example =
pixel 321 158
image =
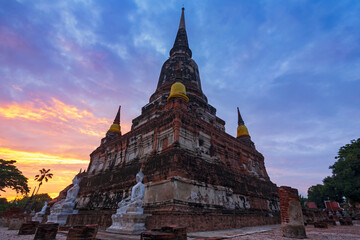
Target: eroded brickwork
pixel 292 220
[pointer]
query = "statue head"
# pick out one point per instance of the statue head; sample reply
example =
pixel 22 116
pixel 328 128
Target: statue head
pixel 76 180
pixel 139 176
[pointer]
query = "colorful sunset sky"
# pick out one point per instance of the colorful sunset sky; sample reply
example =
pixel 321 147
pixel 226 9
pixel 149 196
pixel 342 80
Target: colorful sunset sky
pixel 292 67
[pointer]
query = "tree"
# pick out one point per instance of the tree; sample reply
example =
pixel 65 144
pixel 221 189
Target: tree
pixel 44 175
pixel 316 194
pixel 345 179
pixel 3 204
pixel 333 190
pixel 11 177
pixel 38 202
pixel 303 200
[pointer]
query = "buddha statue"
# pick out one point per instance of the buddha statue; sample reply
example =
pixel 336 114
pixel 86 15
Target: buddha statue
pixel 69 202
pixel 65 207
pixel 133 203
pixel 129 217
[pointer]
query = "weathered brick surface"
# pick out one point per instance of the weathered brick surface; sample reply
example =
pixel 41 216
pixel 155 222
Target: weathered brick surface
pixel 28 228
pixel 46 231
pixel 87 232
pixel 167 232
pixel 292 220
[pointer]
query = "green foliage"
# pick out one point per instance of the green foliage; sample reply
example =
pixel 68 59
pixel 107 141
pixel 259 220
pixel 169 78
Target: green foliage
pixel 333 190
pixel 303 200
pixel 345 180
pixel 38 202
pixel 11 177
pixel 3 204
pixel 316 194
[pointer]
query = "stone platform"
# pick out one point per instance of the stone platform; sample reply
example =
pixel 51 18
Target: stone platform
pixel 272 232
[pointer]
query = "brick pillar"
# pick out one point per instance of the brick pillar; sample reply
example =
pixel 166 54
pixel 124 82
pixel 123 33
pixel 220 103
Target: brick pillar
pixel 292 220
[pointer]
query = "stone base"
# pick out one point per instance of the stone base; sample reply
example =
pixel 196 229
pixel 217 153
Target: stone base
pixel 193 217
pixel 37 219
pixel 128 223
pixel 294 231
pixel 60 219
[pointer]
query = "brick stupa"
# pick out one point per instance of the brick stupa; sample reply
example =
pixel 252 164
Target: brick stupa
pixel 196 175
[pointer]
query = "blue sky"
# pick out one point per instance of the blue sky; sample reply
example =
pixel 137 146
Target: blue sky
pixel 292 67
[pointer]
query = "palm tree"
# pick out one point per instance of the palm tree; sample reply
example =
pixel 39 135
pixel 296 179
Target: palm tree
pixel 44 174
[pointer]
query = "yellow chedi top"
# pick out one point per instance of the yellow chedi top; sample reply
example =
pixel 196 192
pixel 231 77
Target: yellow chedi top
pixel 178 90
pixel 242 130
pixel 115 128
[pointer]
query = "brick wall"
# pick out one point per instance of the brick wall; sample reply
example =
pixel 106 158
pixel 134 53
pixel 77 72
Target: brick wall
pixel 286 194
pixel 292 220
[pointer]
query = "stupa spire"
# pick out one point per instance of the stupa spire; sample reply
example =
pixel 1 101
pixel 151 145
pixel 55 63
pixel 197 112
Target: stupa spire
pixel 240 120
pixel 115 127
pixel 181 45
pixel 182 19
pixel 241 129
pixel 117 118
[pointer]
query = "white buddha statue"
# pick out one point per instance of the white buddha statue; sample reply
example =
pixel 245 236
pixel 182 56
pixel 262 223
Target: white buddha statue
pixel 69 202
pixel 39 215
pixel 42 212
pixel 134 203
pixel 63 208
pixel 129 217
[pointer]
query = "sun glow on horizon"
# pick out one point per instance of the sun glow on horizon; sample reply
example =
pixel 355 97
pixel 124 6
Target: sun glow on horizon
pixel 31 157
pixel 63 168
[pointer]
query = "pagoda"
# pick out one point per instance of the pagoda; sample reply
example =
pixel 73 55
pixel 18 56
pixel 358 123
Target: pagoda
pixel 196 175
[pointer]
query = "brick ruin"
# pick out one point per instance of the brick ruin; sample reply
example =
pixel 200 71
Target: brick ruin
pixel 292 220
pixel 196 175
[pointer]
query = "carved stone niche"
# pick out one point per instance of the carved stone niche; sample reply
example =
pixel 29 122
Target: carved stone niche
pixel 132 150
pixel 147 143
pixel 165 138
pixel 120 156
pixel 187 139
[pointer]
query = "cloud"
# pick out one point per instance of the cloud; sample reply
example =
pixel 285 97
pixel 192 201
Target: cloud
pixel 24 157
pixel 58 111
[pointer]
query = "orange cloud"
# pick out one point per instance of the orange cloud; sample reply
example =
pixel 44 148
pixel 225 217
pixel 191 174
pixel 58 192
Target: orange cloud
pixel 34 157
pixel 57 112
pixel 50 134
